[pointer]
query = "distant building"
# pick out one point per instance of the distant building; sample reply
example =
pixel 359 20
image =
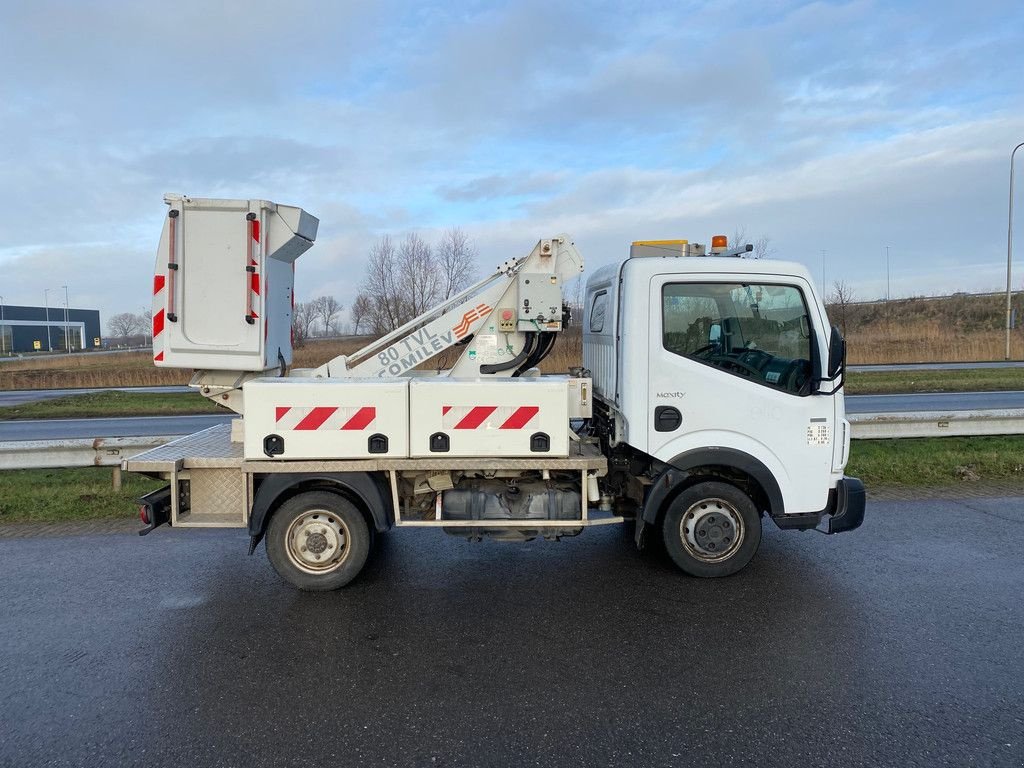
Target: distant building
pixel 36 329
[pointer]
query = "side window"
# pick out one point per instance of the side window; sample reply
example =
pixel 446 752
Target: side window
pixel 598 310
pixel 759 332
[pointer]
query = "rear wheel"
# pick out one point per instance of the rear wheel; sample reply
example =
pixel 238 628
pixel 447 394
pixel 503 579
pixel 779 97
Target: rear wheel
pixel 711 529
pixel 318 541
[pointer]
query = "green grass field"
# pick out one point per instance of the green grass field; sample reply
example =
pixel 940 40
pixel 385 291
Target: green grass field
pixel 895 382
pixel 107 404
pixel 58 495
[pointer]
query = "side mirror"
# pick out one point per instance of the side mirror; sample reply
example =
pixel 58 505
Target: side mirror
pixel 836 353
pixel 835 372
pixel 715 333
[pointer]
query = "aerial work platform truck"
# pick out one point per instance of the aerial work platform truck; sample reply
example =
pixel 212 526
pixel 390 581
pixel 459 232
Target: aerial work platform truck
pixel 708 399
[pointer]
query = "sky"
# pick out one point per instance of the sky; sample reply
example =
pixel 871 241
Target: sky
pixel 842 127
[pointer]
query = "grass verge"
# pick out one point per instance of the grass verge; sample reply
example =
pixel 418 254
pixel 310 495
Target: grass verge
pixel 107 404
pixel 65 495
pixel 897 382
pixel 942 461
pixel 56 495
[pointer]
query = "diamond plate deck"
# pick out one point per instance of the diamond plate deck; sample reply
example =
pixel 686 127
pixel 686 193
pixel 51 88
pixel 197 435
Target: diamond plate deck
pixel 211 448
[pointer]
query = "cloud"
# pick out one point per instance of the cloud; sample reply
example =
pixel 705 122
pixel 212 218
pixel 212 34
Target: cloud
pixel 839 126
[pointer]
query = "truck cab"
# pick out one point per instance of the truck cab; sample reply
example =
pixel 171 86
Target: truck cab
pixel 716 369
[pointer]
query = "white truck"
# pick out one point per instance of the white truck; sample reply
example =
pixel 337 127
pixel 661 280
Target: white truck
pixel 709 397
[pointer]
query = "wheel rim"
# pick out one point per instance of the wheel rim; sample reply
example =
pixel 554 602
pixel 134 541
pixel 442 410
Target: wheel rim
pixel 318 541
pixel 712 530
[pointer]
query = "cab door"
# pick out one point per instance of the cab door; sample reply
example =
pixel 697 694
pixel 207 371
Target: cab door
pixel 734 363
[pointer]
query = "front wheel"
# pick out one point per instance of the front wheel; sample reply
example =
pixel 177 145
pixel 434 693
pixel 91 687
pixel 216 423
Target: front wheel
pixel 711 529
pixel 318 541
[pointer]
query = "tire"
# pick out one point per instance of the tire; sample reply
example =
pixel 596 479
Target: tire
pixel 318 541
pixel 711 529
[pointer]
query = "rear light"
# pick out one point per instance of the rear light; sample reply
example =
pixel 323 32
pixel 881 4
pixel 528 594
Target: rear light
pixel 144 513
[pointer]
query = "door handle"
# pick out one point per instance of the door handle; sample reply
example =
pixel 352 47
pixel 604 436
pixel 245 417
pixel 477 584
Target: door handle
pixel 667 418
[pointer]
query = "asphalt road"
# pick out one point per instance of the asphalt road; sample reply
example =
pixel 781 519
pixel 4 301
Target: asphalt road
pixel 934 401
pixel 894 645
pixel 52 429
pixel 935 366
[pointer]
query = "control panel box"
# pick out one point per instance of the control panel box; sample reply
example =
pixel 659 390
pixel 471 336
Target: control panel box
pixel 299 418
pixel 223 285
pixel 523 417
pixel 540 302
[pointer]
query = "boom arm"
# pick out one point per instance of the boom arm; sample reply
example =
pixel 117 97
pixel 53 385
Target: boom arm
pixel 504 322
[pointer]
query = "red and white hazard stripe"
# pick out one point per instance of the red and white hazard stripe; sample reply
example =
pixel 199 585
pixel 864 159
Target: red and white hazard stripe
pixel 159 315
pixel 325 418
pixel 470 317
pixel 487 416
pixel 253 297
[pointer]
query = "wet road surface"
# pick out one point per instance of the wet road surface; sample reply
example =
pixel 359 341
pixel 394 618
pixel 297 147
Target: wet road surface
pixel 896 645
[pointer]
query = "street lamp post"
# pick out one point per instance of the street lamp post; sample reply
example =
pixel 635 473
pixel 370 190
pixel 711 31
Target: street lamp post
pixel 67 330
pixel 46 301
pixel 3 333
pixel 1009 251
pixel 887 295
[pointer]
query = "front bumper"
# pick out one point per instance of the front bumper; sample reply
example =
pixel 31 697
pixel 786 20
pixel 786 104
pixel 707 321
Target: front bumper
pixel 844 512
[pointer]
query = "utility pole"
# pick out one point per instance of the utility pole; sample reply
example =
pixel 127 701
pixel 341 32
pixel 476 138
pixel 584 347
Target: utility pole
pixel 3 333
pixel 1009 252
pixel 824 289
pixel 887 294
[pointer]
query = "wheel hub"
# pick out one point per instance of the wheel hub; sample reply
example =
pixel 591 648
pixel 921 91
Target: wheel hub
pixel 712 530
pixel 317 541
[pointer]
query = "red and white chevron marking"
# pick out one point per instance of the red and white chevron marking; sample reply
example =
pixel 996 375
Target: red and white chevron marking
pixel 325 418
pixel 477 312
pixel 159 317
pixel 487 416
pixel 254 277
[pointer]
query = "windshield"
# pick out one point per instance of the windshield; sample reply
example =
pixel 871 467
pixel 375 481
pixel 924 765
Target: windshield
pixel 757 331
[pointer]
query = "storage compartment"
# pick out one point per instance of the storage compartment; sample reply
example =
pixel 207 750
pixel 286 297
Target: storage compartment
pixel 525 417
pixel 210 498
pixel 298 418
pixel 223 285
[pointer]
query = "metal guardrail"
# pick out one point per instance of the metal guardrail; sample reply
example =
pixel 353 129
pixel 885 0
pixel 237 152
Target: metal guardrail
pixel 937 423
pixel 75 452
pixel 110 451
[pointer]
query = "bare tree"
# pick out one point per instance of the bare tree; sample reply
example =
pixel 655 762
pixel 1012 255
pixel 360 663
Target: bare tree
pixel 361 312
pixel 325 309
pixel 146 323
pixel 405 280
pixel 303 318
pixel 381 286
pixel 125 324
pixel 420 284
pixel 762 248
pixel 839 302
pixel 456 260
